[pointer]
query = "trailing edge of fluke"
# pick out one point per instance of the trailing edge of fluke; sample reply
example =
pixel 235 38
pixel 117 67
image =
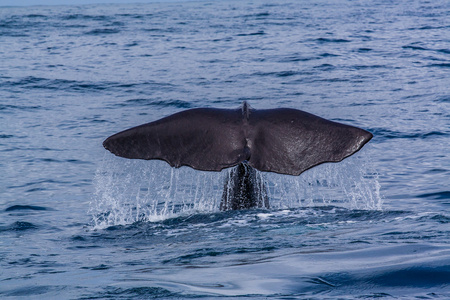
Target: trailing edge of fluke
pixel 282 140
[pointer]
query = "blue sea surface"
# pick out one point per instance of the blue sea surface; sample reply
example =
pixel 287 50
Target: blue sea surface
pixel 77 222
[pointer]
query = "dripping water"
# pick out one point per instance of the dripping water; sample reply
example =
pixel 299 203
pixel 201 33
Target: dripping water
pixel 129 191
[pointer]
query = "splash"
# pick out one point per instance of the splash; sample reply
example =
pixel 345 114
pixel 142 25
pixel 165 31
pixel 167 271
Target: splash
pixel 129 191
pixel 352 184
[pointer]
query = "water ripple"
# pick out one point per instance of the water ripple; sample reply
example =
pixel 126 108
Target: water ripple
pixel 71 74
pixel 25 207
pixel 437 195
pixel 19 226
pixel 384 133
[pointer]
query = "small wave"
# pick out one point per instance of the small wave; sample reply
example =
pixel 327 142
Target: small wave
pixel 441 219
pixel 446 51
pixel 31 82
pixel 296 58
pixel 33 16
pixel 24 148
pixel 391 134
pixel 440 65
pixel 436 171
pixel 13 34
pixel 200 253
pixel 363 67
pixel 103 31
pixel 77 162
pixel 40 183
pixel 255 15
pixel 143 292
pixel 21 26
pixel 436 196
pixel 420 48
pixel 98 267
pixel 414 277
pixel 162 31
pixel 412 47
pixel 365 50
pixel 85 17
pixel 329 40
pixel 327 54
pixel 401 278
pixel 53 160
pixel 252 33
pixel 278 74
pixel 8 108
pixel 428 27
pixel 161 103
pixel 136 16
pixel 25 207
pixel 342 80
pixel 19 226
pixel 31 291
pixel 325 67
pixel 445 99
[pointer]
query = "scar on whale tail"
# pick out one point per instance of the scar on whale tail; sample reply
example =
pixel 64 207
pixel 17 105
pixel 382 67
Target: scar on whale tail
pixel 282 140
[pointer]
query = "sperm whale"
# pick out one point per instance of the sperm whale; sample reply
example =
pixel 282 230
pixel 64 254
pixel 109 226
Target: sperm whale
pixel 282 140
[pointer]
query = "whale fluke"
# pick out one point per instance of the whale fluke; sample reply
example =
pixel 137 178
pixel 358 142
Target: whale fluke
pixel 283 140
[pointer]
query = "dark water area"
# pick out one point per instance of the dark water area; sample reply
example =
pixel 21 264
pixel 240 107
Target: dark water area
pixel 77 222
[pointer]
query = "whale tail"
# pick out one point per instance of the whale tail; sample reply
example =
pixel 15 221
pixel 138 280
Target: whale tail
pixel 283 140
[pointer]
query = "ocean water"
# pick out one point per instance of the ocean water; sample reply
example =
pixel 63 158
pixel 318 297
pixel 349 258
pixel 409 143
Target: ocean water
pixel 76 222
